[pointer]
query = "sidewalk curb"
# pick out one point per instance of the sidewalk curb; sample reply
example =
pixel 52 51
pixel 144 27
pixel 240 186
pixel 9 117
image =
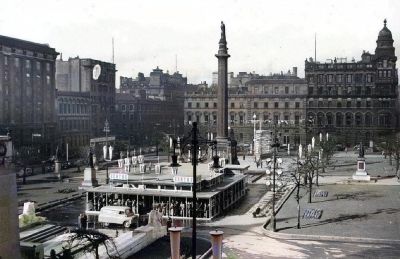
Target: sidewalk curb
pixel 279 204
pixel 53 203
pixel 285 236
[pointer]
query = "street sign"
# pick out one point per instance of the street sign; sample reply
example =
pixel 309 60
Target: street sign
pixel 118 176
pixel 102 139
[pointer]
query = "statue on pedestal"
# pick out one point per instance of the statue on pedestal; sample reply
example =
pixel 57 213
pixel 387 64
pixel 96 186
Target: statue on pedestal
pixel 90 158
pixel 57 154
pixel 155 217
pixel 361 151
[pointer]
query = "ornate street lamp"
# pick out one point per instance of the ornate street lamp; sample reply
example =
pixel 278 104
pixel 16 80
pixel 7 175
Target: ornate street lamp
pixel 195 145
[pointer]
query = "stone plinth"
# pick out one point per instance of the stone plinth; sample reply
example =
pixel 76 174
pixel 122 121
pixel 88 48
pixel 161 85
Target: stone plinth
pixel 89 178
pixel 57 169
pixel 9 231
pixel 361 173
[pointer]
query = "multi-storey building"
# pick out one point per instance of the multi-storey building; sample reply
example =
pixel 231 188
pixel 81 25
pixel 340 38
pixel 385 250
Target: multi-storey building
pixel 273 99
pixel 144 121
pixel 73 109
pixel 355 101
pixel 76 76
pixel 27 93
pixel 242 78
pixel 158 85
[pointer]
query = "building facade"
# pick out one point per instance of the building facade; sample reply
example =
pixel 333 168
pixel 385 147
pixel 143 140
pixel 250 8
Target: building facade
pixel 355 101
pixel 158 85
pixel 76 76
pixel 73 109
pixel 145 121
pixel 27 93
pixel 272 100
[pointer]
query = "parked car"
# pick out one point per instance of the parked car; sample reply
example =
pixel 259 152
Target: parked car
pixel 66 165
pixel 121 215
pixel 28 172
pixel 340 147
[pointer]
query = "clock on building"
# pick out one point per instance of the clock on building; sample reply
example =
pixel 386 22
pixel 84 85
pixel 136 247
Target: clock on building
pixel 96 71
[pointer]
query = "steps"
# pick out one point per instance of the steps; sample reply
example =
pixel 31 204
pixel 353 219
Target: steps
pixel 43 234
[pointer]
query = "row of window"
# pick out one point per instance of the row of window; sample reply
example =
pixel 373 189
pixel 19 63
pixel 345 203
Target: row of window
pixel 349 104
pixel 276 90
pixel 256 105
pixel 28 63
pixel 350 119
pixel 74 124
pixel 239 119
pixel 276 105
pixel 73 108
pixel 340 90
pixel 206 105
pixel 342 78
pixel 27 76
pixel 124 107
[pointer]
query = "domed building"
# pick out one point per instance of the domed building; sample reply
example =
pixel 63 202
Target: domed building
pixel 355 101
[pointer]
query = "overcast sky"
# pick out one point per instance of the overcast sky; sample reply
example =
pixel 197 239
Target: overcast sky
pixel 263 36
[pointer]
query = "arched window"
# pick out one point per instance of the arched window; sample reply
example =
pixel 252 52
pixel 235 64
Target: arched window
pixel 329 118
pixel 358 119
pixel 339 119
pixel 368 120
pixel 349 119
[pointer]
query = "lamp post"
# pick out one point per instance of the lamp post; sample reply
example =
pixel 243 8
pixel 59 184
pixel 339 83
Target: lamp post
pixel 106 130
pixel 193 143
pixel 274 165
pixel 275 145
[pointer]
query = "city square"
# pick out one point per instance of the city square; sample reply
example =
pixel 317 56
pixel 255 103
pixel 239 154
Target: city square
pixel 116 144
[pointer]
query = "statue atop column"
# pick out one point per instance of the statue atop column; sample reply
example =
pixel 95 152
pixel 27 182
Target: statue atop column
pixel 223 30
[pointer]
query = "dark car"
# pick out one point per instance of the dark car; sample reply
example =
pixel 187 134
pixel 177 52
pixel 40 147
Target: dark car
pixel 66 165
pixel 340 147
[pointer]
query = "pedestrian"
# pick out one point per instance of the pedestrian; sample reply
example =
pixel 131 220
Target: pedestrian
pixel 169 224
pixel 345 149
pixel 84 221
pixel 244 156
pixel 80 221
pixel 53 254
pixel 24 176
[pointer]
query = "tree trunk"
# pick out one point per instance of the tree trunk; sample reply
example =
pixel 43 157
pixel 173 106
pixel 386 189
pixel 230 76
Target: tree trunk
pixel 97 252
pixel 309 189
pixel 298 205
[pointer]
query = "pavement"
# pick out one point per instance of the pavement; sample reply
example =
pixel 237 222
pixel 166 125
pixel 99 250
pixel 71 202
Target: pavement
pixel 364 210
pixel 244 236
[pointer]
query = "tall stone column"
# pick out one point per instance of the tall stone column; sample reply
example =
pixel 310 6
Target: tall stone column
pixel 222 96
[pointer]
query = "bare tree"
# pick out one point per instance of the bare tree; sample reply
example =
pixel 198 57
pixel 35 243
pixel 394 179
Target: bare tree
pixel 310 166
pixel 296 175
pixel 390 144
pixel 327 149
pixel 90 240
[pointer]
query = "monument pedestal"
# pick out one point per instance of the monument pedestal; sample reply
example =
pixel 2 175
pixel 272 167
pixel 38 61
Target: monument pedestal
pixel 89 178
pixel 361 173
pixel 57 169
